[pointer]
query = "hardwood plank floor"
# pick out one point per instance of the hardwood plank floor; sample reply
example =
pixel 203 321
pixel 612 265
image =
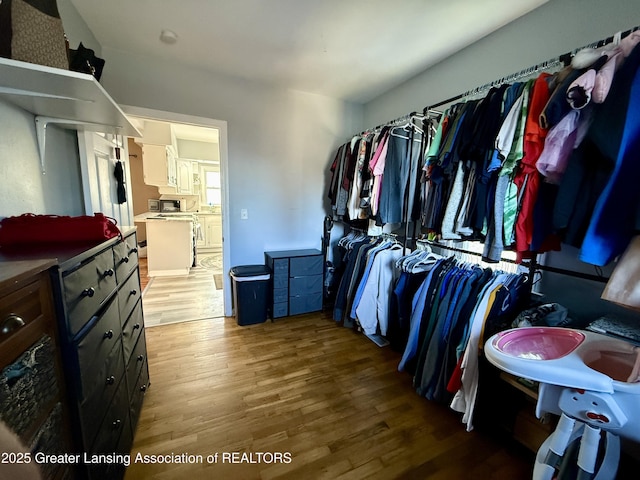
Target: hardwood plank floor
pixel 328 397
pixel 185 297
pixel 182 298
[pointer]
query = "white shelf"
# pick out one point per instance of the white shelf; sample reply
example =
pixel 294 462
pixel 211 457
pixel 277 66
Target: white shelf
pixel 63 95
pixel 68 99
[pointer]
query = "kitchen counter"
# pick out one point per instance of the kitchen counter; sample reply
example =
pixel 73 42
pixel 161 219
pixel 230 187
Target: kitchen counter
pixel 165 216
pixel 170 242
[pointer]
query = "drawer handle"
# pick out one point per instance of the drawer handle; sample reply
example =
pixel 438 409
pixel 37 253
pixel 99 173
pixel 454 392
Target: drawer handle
pixel 111 380
pixel 136 326
pixel 143 388
pixel 140 358
pixel 133 250
pixel 108 273
pixel 133 292
pixel 116 424
pixel 124 260
pixel 89 292
pixel 108 334
pixel 12 323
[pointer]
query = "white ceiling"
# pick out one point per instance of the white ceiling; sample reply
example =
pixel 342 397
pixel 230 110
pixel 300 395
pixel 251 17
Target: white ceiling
pixel 347 49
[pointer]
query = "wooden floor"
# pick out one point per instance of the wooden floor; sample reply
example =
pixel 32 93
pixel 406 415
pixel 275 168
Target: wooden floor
pixel 303 389
pixel 181 298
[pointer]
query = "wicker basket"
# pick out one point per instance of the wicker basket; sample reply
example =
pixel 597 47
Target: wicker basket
pixel 27 386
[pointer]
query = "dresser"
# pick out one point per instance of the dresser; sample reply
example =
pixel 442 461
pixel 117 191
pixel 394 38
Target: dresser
pixel 97 296
pixel 32 391
pixel 297 281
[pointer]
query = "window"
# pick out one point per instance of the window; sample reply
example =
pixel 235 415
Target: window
pixel 212 191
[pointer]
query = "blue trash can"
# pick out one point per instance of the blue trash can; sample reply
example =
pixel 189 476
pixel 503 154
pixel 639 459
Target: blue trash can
pixel 251 293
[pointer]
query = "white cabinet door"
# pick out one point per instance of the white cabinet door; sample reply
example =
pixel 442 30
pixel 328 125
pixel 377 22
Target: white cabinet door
pixel 172 167
pixel 185 177
pixel 211 226
pixel 154 165
pixel 216 232
pixel 202 242
pixel 159 165
pixel 97 166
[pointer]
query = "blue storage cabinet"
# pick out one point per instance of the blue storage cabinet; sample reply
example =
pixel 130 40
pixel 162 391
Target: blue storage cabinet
pixel 297 281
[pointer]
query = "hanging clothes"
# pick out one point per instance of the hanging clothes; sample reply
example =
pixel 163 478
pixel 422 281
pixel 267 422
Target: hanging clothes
pixel 400 179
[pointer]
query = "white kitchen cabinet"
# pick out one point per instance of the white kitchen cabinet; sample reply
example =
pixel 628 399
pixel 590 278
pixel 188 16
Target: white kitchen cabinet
pixel 211 227
pixel 184 177
pixel 159 165
pixel 169 247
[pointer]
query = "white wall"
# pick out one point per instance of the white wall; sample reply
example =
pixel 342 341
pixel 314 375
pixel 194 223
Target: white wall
pixel 280 145
pixel 555 28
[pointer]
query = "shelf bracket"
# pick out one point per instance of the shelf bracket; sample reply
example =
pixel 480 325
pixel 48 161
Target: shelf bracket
pixel 42 122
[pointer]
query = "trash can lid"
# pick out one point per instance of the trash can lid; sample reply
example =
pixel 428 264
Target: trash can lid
pixel 242 271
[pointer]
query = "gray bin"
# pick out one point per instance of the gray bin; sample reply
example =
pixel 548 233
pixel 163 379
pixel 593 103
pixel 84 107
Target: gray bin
pixel 251 293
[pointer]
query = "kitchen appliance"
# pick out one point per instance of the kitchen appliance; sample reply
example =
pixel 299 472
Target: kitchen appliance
pixel 170 206
pixel 153 205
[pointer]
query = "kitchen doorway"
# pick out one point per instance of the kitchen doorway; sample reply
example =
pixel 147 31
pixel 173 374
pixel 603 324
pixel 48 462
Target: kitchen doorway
pixel 210 202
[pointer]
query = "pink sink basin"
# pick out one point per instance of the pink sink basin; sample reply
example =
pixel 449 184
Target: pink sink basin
pixel 538 343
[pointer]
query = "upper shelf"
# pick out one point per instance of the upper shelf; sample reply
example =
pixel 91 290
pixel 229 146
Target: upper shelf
pixel 63 95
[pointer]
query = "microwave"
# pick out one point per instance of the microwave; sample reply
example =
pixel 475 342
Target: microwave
pixel 170 206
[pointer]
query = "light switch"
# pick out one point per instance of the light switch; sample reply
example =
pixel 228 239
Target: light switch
pixel 244 214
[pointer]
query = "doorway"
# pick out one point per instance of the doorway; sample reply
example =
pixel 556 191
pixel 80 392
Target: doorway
pixel 211 200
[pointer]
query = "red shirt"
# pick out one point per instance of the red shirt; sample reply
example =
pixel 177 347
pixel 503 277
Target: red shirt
pixel 527 177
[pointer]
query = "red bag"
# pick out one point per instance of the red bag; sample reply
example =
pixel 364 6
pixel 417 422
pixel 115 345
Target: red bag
pixel 31 229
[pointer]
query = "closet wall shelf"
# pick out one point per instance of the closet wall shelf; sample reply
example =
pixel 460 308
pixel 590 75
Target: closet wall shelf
pixel 70 99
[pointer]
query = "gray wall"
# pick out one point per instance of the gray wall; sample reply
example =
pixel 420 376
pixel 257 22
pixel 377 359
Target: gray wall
pixel 280 145
pixel 23 187
pixel 557 27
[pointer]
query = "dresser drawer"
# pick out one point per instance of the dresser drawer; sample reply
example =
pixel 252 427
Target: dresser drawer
pixel 95 347
pixel 86 288
pixel 28 386
pixel 137 396
pixel 129 294
pixel 113 424
pixel 18 311
pixel 301 266
pixel 280 310
pixel 94 407
pixel 305 304
pixel 305 285
pixel 125 257
pixel 281 265
pixel 138 361
pixel 280 295
pixel 131 331
pixel 280 281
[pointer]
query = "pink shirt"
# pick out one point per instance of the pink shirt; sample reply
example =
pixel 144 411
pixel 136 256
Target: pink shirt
pixel 376 165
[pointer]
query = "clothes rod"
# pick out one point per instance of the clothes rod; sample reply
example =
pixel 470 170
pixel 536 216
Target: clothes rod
pixel 564 58
pixel 571 273
pixel 403 118
pixel 468 252
pixel 536 266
